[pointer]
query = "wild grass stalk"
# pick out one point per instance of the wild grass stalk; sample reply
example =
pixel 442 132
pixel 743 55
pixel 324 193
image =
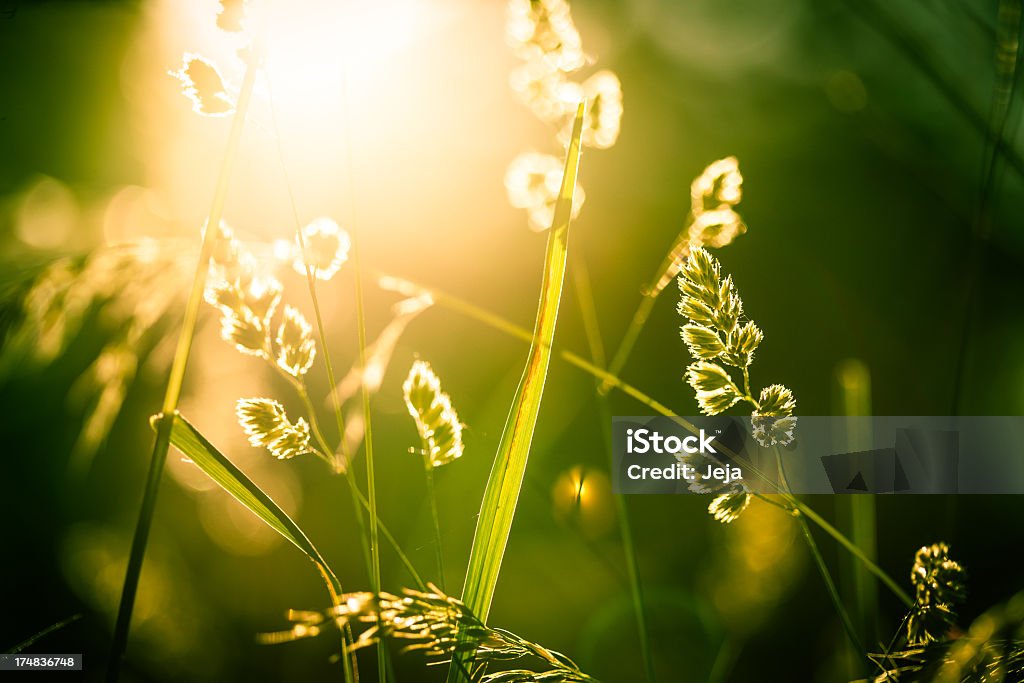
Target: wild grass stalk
pixel 830 586
pixel 588 312
pixel 712 221
pixel 852 548
pixel 636 324
pixel 505 481
pixel 339 417
pixel 822 566
pixel 501 324
pixel 792 503
pixel 52 628
pixel 440 432
pixel 360 503
pixel 432 502
pixel 371 480
pixel 176 376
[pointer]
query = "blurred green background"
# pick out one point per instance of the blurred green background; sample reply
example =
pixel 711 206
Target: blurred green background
pixel 862 134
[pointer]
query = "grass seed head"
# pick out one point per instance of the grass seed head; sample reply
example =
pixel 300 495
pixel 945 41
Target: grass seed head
pixel 544 30
pixel 296 348
pixel 939 584
pixel 327 247
pixel 436 625
pixel 603 117
pixel 267 426
pixel 717 335
pixel 714 388
pixel 727 507
pixel 231 15
pixel 533 181
pixel 202 83
pixel 436 420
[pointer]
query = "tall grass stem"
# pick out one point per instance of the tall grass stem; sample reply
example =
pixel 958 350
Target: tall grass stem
pixel 588 312
pixel 176 376
pixel 371 481
pixel 328 364
pixel 432 499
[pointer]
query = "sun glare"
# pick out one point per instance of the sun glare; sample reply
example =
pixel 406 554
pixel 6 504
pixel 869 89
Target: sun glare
pixel 312 47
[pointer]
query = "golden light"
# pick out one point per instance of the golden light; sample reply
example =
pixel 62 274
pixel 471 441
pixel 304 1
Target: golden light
pixel 353 101
pixel 317 50
pixel 582 497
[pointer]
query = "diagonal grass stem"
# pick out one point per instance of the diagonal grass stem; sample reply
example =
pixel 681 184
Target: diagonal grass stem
pixel 176 376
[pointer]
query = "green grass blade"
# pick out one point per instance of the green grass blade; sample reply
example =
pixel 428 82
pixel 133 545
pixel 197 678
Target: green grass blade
pixel 215 464
pixel 502 493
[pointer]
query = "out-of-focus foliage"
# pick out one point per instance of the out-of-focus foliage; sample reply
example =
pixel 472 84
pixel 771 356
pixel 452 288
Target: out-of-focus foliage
pixel 126 291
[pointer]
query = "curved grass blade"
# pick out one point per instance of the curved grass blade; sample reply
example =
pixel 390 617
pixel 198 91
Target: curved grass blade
pixel 215 464
pixel 506 479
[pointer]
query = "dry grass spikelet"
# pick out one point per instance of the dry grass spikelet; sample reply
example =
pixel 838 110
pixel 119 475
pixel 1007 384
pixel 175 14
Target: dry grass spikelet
pixel 296 348
pixel 327 247
pixel 202 83
pixel 727 507
pixel 267 426
pixel 533 181
pixel 939 584
pixel 713 220
pixel 437 626
pixel 436 420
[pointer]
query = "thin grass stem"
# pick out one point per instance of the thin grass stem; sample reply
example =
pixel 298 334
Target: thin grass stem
pixel 371 485
pixel 879 573
pixel 819 561
pixel 917 51
pixel 830 584
pixel 52 628
pixel 636 326
pixel 646 305
pixel 1008 58
pixel 588 311
pixel 432 498
pixel 310 276
pixel 176 377
pixel 344 464
pixel 358 499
